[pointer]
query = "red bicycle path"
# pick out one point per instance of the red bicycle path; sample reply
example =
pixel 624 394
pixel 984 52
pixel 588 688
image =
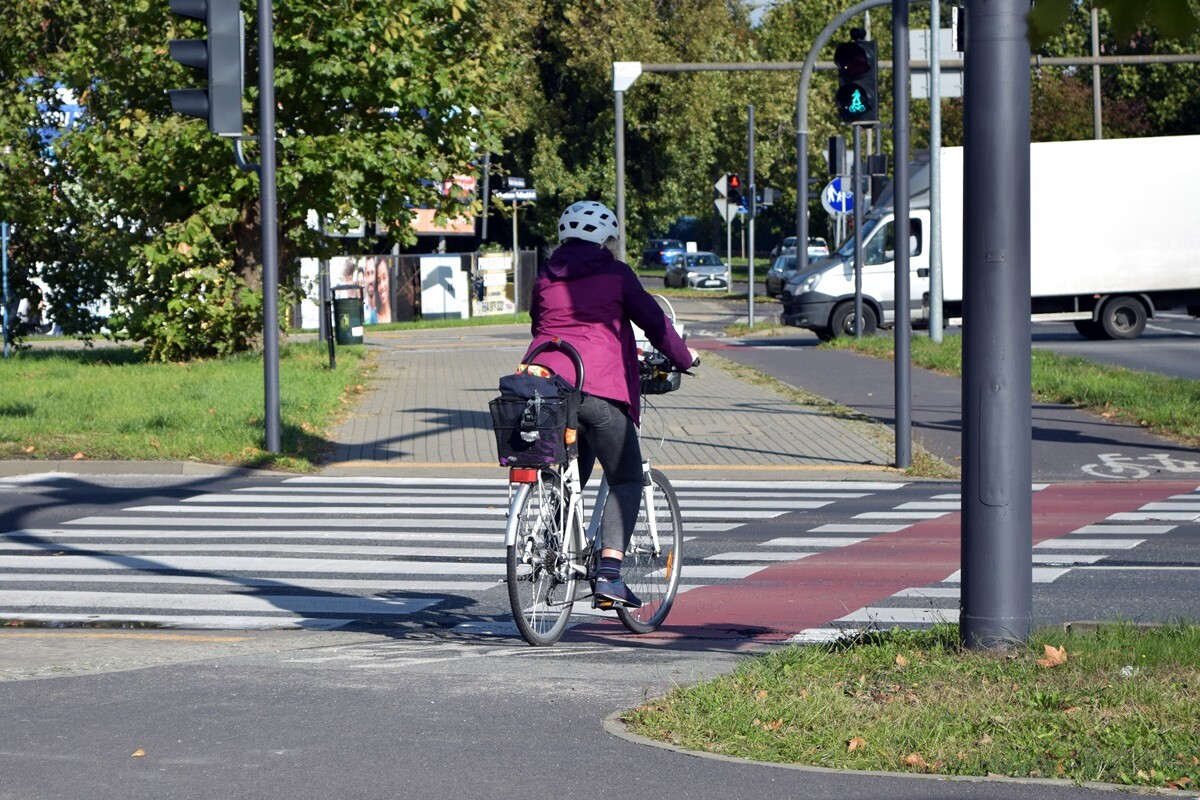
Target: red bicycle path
pixel 776 603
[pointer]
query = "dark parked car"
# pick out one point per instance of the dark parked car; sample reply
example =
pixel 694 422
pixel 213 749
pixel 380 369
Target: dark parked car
pixel 788 245
pixel 696 271
pixel 657 251
pixel 779 274
pixel 782 271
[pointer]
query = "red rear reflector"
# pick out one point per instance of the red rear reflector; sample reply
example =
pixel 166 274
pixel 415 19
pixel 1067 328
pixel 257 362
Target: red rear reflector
pixel 522 475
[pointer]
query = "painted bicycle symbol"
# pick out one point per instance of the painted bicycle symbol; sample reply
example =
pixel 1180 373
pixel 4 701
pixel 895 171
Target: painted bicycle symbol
pixel 1117 466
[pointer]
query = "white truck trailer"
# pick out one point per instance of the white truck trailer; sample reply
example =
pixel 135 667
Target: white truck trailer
pixel 1114 235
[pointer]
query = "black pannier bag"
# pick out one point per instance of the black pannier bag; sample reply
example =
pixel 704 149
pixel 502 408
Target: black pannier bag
pixel 531 418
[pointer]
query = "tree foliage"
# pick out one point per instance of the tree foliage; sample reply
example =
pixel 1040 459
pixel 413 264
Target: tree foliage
pixel 378 104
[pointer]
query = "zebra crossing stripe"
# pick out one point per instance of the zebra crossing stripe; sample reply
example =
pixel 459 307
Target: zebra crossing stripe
pixel 322 584
pixel 197 621
pixel 308 549
pixel 725 512
pixel 1069 543
pixel 901 616
pixel 901 514
pixel 1126 529
pixel 1171 507
pixel 813 541
pixel 294 603
pixel 756 556
pixel 1040 575
pixel 862 527
pixel 78 535
pixel 224 564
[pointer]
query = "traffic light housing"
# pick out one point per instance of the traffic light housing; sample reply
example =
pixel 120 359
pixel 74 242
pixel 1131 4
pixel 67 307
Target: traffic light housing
pixel 220 57
pixel 734 186
pixel 857 95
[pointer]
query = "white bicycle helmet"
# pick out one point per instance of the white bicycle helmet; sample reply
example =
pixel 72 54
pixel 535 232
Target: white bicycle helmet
pixel 588 220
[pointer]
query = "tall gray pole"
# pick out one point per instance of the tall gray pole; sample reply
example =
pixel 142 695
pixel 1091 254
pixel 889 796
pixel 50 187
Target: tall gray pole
pixel 859 202
pixel 900 137
pixel 619 107
pixel 750 217
pixel 270 252
pixel 997 495
pixel 7 309
pixel 936 323
pixel 1097 117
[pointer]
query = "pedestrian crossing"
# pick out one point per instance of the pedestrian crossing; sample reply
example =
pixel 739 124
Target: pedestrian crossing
pixel 322 552
pixel 1086 547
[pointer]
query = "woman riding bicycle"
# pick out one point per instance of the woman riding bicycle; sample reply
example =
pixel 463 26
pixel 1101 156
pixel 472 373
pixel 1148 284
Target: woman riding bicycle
pixel 584 296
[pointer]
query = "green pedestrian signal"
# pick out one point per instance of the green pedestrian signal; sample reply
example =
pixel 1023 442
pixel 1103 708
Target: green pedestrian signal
pixel 856 96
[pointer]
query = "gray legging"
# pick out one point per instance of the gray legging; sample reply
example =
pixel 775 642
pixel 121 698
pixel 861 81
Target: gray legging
pixel 608 434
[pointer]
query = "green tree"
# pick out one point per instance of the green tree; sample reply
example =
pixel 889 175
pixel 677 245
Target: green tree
pixel 681 130
pixel 379 103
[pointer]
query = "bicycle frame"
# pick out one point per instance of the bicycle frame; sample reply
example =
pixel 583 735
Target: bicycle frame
pixel 574 514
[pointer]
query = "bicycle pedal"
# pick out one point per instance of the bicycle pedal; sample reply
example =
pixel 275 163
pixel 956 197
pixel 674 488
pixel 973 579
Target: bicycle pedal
pixel 603 604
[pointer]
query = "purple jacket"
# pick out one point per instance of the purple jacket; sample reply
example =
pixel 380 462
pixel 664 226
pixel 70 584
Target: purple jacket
pixel 587 298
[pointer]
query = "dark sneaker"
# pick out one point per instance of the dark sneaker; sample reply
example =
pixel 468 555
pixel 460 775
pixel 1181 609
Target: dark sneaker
pixel 617 592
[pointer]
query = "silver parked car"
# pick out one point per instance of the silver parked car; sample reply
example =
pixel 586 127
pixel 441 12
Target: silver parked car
pixel 696 271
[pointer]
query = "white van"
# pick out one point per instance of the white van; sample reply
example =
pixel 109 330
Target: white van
pixel 1105 253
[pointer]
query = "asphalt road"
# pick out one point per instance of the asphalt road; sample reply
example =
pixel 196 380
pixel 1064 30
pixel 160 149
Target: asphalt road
pixel 1169 346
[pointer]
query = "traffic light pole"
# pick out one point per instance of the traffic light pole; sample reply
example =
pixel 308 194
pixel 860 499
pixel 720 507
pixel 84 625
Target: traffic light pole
pixel 859 197
pixel 750 219
pixel 267 201
pixel 997 493
pixel 902 362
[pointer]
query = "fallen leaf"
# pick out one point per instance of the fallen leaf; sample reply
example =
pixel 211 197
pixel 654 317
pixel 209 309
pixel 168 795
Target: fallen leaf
pixel 761 694
pixel 1054 657
pixel 1179 783
pixel 77 457
pixel 138 753
pixel 914 760
pixel 985 739
pixel 1072 710
pixel 773 726
pixel 30 449
pixel 901 661
pixel 804 693
pixel 856 743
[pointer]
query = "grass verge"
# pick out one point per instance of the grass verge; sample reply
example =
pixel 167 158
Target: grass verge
pixel 1116 704
pixel 118 406
pixel 1167 406
pixel 924 464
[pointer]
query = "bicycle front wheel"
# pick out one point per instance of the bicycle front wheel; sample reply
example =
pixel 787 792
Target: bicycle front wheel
pixel 653 575
pixel 541 583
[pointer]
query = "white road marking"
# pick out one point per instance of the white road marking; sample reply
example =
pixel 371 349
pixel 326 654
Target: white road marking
pixel 1069 543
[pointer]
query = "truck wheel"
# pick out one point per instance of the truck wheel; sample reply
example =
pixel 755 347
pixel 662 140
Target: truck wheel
pixel 842 320
pixel 1123 318
pixel 1089 329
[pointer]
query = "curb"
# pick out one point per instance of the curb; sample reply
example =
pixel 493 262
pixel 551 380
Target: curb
pixel 84 467
pixel 613 725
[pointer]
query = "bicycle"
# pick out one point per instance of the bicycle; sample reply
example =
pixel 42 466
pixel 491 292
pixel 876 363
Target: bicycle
pixel 551 554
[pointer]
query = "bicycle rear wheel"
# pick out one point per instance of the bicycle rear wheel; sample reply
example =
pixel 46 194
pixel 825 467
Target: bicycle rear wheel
pixel 653 577
pixel 541 583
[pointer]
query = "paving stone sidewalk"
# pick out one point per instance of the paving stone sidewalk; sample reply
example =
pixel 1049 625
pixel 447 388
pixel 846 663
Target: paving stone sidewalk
pixel 425 408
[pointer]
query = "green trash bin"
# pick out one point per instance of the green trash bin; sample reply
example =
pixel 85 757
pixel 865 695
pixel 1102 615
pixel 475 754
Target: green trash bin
pixel 348 314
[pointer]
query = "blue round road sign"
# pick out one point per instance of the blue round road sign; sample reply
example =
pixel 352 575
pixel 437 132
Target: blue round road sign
pixel 835 199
